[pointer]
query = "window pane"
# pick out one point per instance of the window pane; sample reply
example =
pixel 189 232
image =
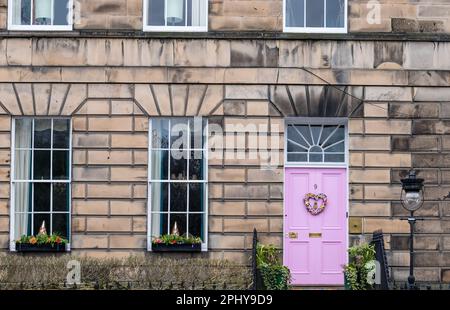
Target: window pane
pixel 314 13
pixel 336 158
pixel 196 197
pixel 292 147
pixel 180 219
pixel 160 133
pixel 22 12
pixel 23 132
pixel 41 197
pixel 61 12
pixel 22 197
pixel 178 197
pixel 315 158
pixel 335 13
pixel 303 134
pixel 42 133
pixel 316 131
pixel 22 165
pixel 61 196
pixel 60 165
pixel 22 223
pixel 42 12
pixel 60 224
pixel 339 147
pixel 295 16
pixel 196 166
pixel 39 220
pixel 41 165
pixel 338 135
pixel 156 12
pixel 159 165
pixel 179 134
pixel 297 157
pixel 159 195
pixel 61 134
pixel 196 225
pixel 159 224
pixel 176 13
pixel 178 167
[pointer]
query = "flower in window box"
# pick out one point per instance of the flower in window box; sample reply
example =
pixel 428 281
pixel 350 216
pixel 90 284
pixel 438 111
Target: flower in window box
pixel 176 243
pixel 41 243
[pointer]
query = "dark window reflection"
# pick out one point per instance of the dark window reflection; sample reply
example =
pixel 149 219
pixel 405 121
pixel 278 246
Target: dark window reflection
pixel 160 134
pixel 196 225
pixel 60 165
pixel 295 13
pixel 41 165
pixel 61 12
pixel 156 13
pixel 42 133
pixel 61 197
pixel 60 224
pixel 314 13
pixel 335 13
pixel 178 167
pixel 196 166
pixel 61 134
pixel 196 194
pixel 41 197
pixel 178 197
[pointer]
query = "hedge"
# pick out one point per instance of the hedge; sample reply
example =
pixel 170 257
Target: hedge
pixel 134 272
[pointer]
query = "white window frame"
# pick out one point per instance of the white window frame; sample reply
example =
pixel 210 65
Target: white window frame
pixel 149 28
pixel 315 29
pixel 317 121
pixel 150 212
pixel 13 181
pixel 14 27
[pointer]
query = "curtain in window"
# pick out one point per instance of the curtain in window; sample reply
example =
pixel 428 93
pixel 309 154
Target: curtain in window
pixel 157 191
pixel 22 171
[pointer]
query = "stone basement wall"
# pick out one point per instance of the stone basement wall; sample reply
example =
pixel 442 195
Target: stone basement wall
pixel 398 16
pixel 110 92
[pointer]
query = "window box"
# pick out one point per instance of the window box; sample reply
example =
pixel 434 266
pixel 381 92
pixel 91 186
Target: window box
pixel 162 247
pixel 27 247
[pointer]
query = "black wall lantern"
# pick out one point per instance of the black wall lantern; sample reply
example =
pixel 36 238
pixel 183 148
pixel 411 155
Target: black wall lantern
pixel 412 199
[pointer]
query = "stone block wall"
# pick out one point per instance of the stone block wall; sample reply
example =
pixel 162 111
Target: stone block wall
pixel 397 103
pixel 384 16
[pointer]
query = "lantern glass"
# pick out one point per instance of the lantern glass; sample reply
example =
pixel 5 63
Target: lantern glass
pixel 412 200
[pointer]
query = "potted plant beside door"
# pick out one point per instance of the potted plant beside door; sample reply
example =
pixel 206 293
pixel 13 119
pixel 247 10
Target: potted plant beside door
pixel 271 274
pixel 359 271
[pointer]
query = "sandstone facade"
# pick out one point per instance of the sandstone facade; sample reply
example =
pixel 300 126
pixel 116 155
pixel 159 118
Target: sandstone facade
pixel 394 92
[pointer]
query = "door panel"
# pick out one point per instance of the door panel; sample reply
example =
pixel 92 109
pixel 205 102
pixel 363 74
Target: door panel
pixel 316 248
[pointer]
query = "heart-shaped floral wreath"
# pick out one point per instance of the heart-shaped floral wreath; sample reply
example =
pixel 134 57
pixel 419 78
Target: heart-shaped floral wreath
pixel 315 209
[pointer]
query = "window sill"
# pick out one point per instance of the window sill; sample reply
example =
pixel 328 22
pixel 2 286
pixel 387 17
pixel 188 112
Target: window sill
pixel 176 248
pixel 34 248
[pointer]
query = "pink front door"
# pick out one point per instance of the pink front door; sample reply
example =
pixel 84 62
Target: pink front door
pixel 315 245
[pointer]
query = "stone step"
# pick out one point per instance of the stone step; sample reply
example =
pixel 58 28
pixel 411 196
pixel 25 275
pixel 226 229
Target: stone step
pixel 317 288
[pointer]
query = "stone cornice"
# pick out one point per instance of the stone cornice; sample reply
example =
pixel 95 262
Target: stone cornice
pixel 424 37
